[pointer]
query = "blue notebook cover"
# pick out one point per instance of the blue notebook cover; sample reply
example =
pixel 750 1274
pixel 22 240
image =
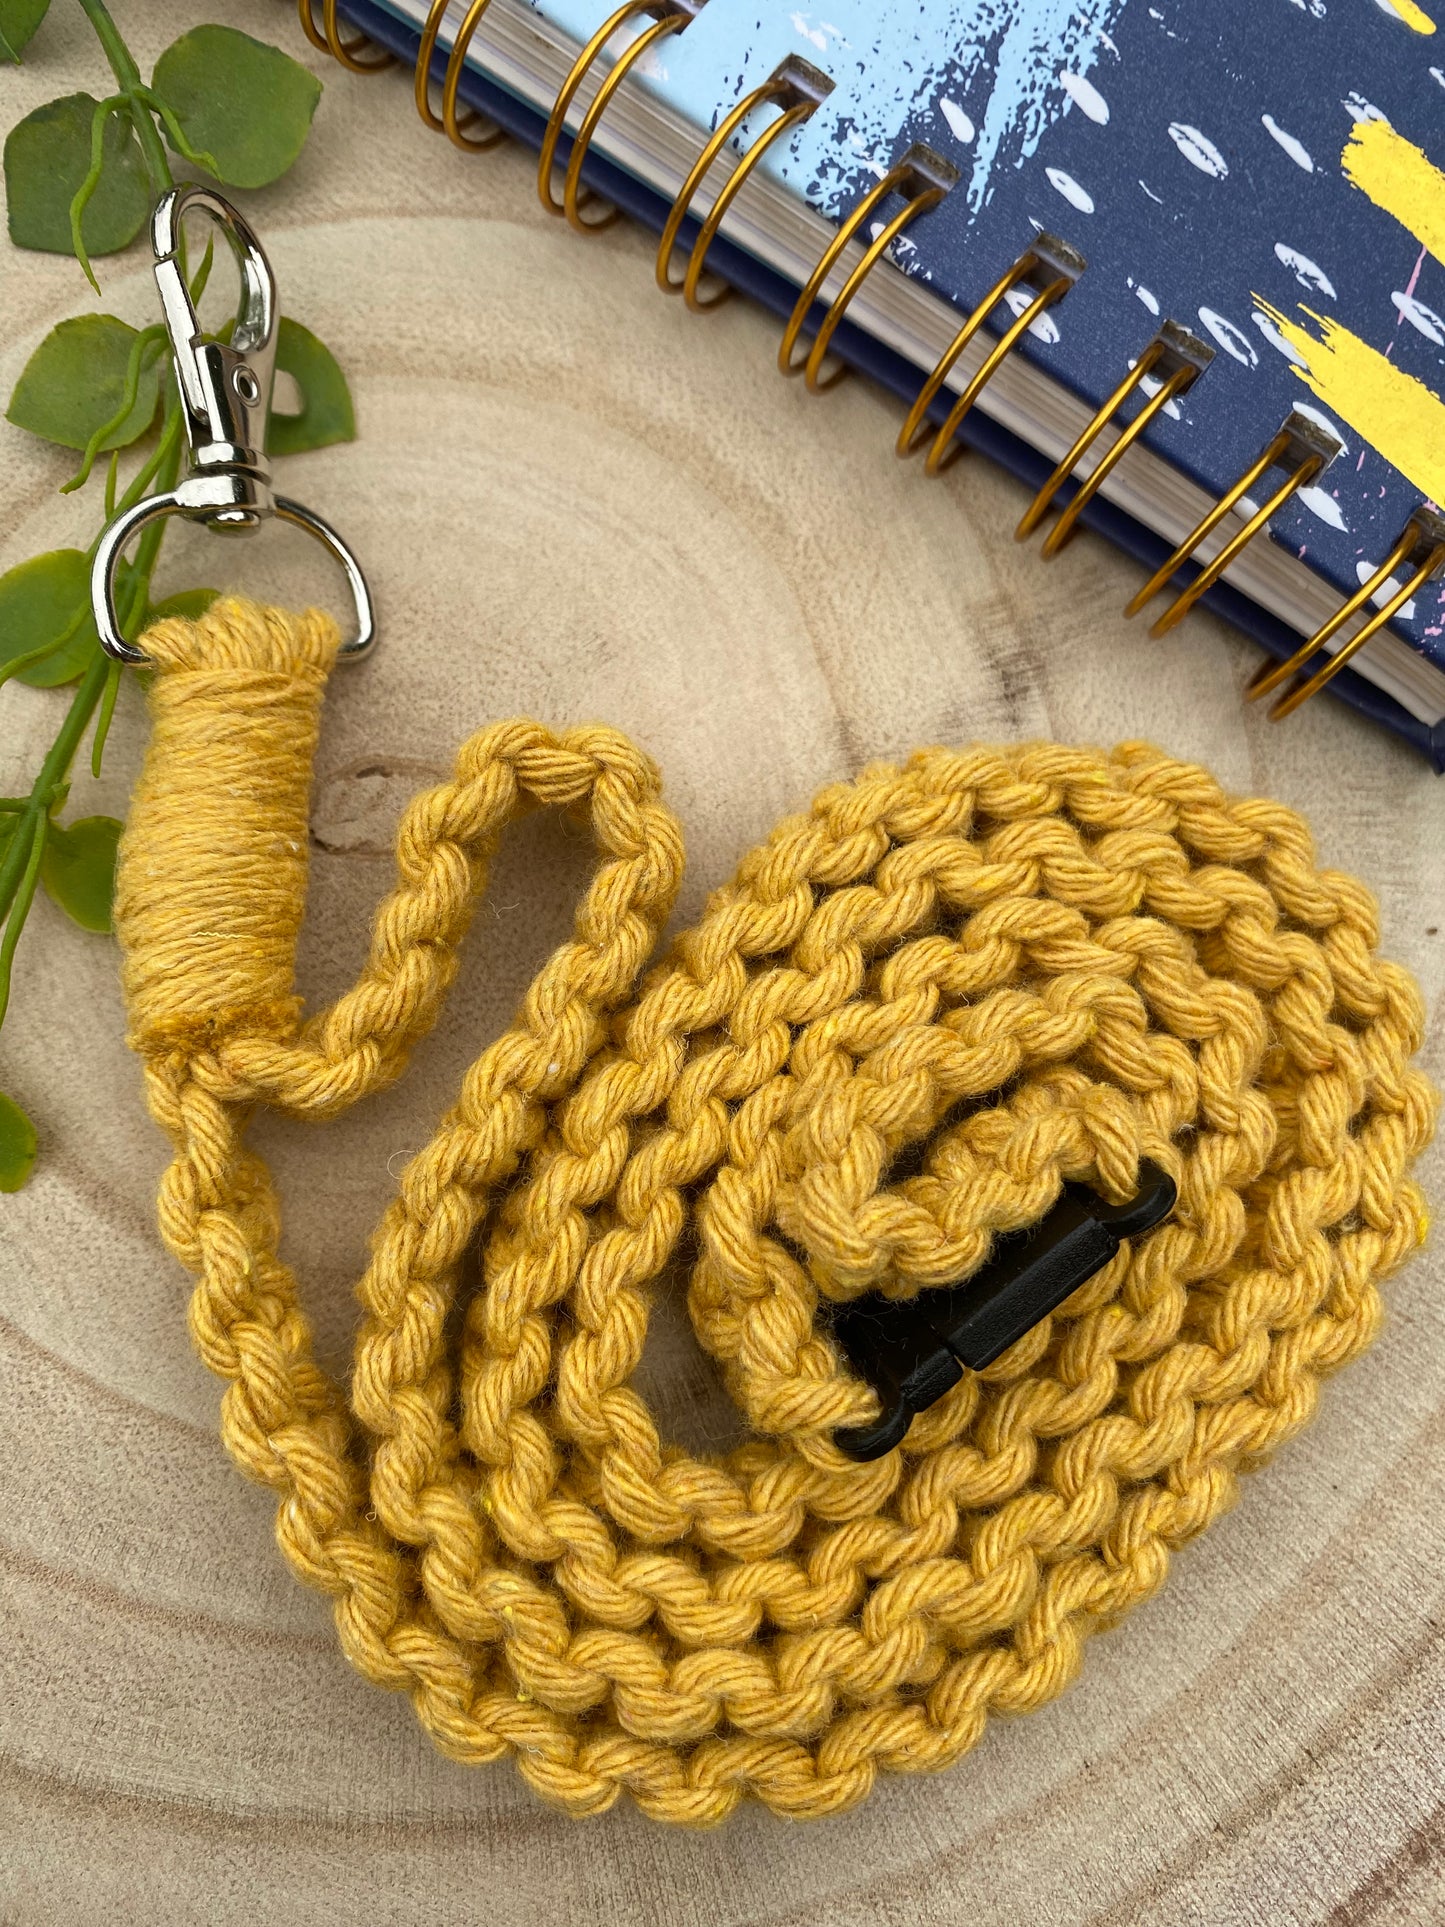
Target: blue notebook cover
pixel 1272 175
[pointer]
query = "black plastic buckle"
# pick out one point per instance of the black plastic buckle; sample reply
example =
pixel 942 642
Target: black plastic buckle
pixel 911 1352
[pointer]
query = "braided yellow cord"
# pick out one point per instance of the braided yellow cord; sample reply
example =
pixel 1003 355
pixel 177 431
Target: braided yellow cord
pixel 914 1013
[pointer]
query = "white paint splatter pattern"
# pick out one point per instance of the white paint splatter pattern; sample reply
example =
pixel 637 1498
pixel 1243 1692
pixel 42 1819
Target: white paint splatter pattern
pixel 959 124
pixel 1296 149
pixel 1150 385
pixel 1198 149
pixel 1044 328
pixel 1234 341
pixel 1321 503
pixel 1308 273
pixel 1066 185
pixel 1420 317
pixel 1273 336
pixel 1364 570
pixel 820 37
pixel 1086 97
pixel 1358 108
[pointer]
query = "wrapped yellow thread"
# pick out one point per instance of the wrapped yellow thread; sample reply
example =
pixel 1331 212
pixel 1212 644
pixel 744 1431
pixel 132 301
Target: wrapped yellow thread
pixel 992 970
pixel 215 883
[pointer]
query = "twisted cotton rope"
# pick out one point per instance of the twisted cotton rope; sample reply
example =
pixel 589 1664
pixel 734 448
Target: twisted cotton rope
pixel 1019 965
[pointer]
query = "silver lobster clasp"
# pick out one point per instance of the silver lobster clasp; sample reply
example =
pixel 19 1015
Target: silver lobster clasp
pixel 225 390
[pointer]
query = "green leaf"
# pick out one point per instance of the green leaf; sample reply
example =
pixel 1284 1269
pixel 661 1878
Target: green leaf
pixel 246 105
pixel 78 869
pixel 17 1144
pixel 47 600
pixel 326 412
pixel 190 603
pixel 74 383
pixel 18 21
pixel 45 605
pixel 47 157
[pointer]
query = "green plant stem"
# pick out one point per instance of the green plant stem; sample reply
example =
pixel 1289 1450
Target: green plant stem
pixel 20 864
pixel 128 79
pixel 53 773
pixel 155 461
pixel 34 850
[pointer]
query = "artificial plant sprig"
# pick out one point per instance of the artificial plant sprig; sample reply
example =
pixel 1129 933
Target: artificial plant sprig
pixel 81 176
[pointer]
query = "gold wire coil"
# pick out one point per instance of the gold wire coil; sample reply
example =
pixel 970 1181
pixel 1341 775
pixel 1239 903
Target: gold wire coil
pixel 327 37
pixel 1304 450
pixel 1051 268
pixel 799 89
pixel 571 203
pixel 448 122
pixel 1421 549
pixel 1180 358
pixel 924 177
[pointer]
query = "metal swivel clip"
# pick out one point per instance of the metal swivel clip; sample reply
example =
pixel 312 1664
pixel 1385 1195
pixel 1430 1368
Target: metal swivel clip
pixel 225 389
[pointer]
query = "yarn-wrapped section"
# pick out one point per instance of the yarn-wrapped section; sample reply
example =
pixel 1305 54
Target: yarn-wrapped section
pixel 916 1011
pixel 212 888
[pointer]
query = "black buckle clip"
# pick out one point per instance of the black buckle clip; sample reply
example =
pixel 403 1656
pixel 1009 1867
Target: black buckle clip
pixel 911 1352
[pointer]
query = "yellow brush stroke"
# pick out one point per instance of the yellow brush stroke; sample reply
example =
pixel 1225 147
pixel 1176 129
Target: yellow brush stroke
pixel 1396 415
pixel 1412 15
pixel 1398 178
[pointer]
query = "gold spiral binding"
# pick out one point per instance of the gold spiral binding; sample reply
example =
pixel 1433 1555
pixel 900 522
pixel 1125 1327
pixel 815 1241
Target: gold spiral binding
pixel 1421 549
pixel 448 122
pixel 327 37
pixel 669 16
pixel 924 178
pixel 1180 358
pixel 1050 267
pixel 799 89
pixel 1304 451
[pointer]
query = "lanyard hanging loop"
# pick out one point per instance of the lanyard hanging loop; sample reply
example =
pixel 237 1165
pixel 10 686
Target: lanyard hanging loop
pixel 225 390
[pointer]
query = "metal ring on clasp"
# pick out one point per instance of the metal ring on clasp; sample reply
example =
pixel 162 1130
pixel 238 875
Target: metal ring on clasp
pixel 155 509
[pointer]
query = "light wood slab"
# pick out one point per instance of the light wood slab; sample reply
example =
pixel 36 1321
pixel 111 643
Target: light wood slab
pixel 577 500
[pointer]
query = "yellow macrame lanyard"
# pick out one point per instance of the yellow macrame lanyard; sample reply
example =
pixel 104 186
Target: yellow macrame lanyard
pixel 915 1013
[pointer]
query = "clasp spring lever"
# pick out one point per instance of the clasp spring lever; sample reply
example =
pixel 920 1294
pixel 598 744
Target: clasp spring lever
pixel 225 389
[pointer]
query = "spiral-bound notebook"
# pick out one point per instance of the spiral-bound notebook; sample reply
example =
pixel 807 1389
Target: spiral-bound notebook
pixel 1180 268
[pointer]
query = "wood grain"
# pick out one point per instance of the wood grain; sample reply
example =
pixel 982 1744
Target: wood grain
pixel 577 500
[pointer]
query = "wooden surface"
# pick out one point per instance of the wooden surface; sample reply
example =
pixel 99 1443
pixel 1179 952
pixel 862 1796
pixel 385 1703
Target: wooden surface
pixel 577 500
